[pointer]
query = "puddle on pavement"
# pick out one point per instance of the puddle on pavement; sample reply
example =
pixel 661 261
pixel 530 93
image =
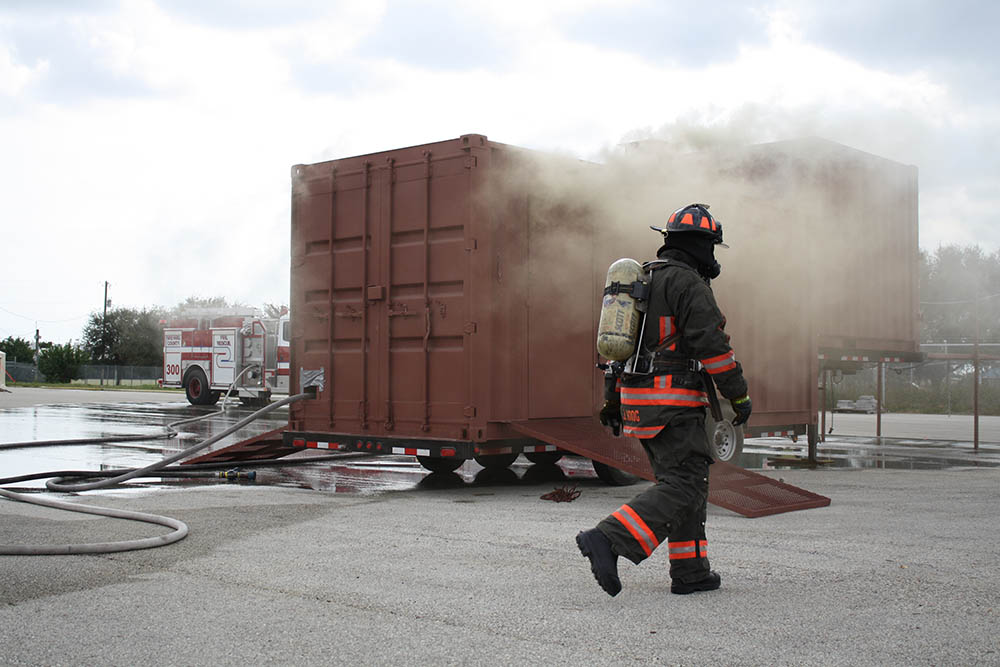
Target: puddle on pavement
pixel 870 452
pixel 387 473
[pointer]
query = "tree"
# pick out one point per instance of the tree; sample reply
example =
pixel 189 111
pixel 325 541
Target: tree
pixel 61 363
pixel 205 303
pixel 128 337
pixel 17 349
pixel 274 311
pixel 957 285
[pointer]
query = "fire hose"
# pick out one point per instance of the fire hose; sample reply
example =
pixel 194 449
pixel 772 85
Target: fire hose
pixel 57 482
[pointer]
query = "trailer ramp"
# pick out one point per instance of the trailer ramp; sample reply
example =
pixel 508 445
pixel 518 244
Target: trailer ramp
pixel 264 446
pixel 729 486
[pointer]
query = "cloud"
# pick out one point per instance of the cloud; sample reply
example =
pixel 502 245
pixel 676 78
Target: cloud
pixel 438 36
pixel 148 143
pixel 687 33
pixel 16 76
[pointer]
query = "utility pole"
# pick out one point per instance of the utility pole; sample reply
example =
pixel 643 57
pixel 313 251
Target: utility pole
pixel 975 381
pixel 38 351
pixel 104 333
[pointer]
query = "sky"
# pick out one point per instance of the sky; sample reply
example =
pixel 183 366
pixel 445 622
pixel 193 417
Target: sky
pixel 148 143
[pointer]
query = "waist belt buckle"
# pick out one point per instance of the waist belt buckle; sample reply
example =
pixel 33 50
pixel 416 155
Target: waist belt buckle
pixel 695 365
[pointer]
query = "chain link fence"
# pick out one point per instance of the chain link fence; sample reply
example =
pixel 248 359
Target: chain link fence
pixel 932 387
pixel 119 376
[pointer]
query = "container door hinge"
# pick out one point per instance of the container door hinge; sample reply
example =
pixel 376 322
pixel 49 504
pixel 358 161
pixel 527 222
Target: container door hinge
pixel 470 328
pixel 471 244
pixel 470 411
pixel 470 162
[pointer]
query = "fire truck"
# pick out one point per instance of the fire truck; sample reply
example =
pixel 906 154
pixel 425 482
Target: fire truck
pixel 206 353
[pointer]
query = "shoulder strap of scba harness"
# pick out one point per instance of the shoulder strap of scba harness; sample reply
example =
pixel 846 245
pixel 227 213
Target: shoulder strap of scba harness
pixel 640 291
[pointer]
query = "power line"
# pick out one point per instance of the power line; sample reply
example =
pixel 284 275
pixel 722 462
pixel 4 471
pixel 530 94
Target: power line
pixel 36 319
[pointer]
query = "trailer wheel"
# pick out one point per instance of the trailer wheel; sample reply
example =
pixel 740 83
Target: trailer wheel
pixel 437 464
pixel 543 458
pixel 613 476
pixel 197 389
pixel 496 460
pixel 726 440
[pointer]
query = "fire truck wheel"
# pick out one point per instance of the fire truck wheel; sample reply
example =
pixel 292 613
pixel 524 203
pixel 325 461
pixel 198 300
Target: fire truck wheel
pixel 544 458
pixel 436 464
pixel 198 390
pixel 496 460
pixel 613 476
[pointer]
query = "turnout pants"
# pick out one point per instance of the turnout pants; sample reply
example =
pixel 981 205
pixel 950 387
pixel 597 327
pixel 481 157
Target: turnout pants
pixel 672 510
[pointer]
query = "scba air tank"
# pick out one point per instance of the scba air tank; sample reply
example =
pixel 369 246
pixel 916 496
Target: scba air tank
pixel 621 317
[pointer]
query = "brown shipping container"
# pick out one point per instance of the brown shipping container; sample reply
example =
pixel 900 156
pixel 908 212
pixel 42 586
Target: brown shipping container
pixel 449 289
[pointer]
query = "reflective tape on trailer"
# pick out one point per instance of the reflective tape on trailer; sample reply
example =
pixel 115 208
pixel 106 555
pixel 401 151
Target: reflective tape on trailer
pixel 316 444
pixel 539 448
pixel 777 434
pixel 411 451
pixel 823 357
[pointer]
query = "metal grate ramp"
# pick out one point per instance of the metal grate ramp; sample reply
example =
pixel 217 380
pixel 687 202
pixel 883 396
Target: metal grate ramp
pixel 264 446
pixel 730 487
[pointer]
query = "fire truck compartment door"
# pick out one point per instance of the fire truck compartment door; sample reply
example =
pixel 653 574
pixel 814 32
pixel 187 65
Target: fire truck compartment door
pixel 224 355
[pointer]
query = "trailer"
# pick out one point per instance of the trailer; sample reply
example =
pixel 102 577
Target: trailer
pixel 449 293
pixel 209 353
pixel 447 297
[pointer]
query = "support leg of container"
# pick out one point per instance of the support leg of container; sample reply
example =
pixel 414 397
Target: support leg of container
pixel 822 406
pixel 878 403
pixel 811 439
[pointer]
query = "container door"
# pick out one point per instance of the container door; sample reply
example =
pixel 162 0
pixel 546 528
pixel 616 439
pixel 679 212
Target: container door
pixel 421 325
pixel 380 269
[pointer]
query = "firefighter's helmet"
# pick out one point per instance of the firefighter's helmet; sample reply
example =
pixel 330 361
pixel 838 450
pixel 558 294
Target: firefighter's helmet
pixel 693 218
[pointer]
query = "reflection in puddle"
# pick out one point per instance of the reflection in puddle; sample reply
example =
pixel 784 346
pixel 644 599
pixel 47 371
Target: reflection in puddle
pixel 387 473
pixel 869 452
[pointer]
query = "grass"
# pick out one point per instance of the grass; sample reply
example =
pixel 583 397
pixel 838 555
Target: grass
pixel 94 387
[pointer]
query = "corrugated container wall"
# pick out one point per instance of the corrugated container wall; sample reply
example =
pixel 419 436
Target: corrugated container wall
pixel 427 284
pixel 823 254
pixel 448 288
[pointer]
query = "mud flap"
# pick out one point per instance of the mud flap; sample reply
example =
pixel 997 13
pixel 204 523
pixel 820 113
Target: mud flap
pixel 730 487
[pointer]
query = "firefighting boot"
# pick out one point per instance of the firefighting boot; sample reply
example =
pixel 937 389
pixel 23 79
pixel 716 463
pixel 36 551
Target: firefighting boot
pixel 603 561
pixel 710 582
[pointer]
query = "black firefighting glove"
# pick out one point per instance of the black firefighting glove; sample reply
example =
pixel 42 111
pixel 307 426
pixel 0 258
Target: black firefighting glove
pixel 743 406
pixel 611 416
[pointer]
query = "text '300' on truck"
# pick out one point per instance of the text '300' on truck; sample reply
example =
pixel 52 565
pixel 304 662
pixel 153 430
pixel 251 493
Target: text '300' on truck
pixel 210 354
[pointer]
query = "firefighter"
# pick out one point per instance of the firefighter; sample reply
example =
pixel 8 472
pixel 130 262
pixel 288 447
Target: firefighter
pixel 661 400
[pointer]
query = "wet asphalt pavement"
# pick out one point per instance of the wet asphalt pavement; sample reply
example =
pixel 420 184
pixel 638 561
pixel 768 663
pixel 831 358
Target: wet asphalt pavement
pixel 41 414
pixel 388 564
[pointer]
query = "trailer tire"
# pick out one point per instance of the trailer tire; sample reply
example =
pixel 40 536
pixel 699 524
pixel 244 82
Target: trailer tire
pixel 437 464
pixel 613 476
pixel 496 460
pixel 197 389
pixel 543 458
pixel 725 439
